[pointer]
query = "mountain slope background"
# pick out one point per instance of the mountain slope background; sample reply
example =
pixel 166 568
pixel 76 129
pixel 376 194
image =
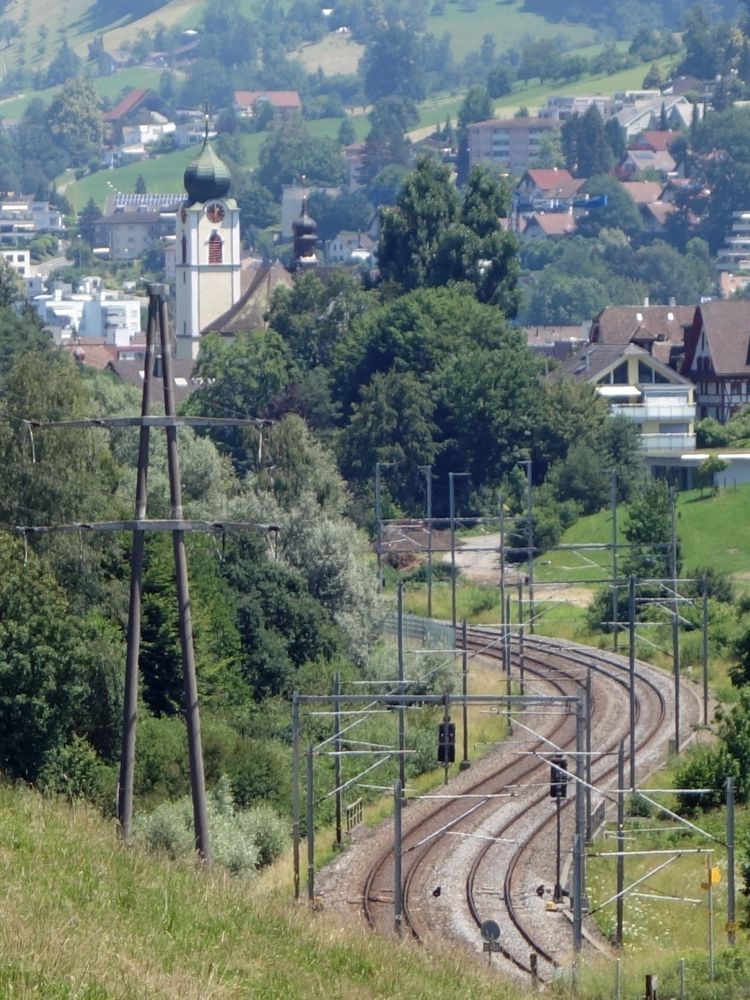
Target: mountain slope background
pixel 32 31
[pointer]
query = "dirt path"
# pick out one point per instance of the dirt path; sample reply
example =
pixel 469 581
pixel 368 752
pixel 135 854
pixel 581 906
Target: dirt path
pixel 478 559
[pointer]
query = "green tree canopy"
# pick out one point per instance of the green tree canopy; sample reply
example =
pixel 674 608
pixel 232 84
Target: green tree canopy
pixel 290 153
pixel 74 120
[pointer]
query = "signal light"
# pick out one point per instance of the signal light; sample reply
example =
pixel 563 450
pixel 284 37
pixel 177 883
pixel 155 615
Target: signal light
pixel 446 742
pixel 558 779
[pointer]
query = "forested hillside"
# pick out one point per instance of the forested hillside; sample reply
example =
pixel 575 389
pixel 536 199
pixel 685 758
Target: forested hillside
pixel 621 17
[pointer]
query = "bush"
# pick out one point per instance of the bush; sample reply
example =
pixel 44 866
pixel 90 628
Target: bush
pixel 702 767
pixel 241 841
pixel 268 830
pixel 75 770
pixel 260 772
pixel 161 763
pixel 638 806
pixel 168 829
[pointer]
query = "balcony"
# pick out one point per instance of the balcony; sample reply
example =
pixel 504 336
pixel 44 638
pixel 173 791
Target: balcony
pixel 678 443
pixel 642 412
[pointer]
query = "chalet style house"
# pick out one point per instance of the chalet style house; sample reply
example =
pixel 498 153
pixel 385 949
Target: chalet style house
pixel 717 357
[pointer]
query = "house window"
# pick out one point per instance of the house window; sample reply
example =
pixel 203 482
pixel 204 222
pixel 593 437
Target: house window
pixel 620 374
pixel 215 249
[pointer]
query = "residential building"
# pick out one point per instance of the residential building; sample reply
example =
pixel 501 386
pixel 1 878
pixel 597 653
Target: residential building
pixel 548 224
pixel 636 161
pixel 557 342
pixel 283 102
pixel 643 192
pixel 643 113
pixel 93 313
pixel 561 107
pixel 717 357
pixel 654 396
pixel 735 254
pixel 660 330
pixel 148 133
pixel 19 259
pixel 546 190
pixel 139 101
pixel 131 223
pixel 511 144
pixel 26 217
pixel 344 245
pixel 655 215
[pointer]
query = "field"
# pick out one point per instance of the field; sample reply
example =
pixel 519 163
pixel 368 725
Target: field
pixel 163 174
pixel 506 21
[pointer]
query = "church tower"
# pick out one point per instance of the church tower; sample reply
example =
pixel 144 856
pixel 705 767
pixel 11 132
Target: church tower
pixel 207 252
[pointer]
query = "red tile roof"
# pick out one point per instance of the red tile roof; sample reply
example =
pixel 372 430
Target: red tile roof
pixel 657 140
pixel 285 99
pixel 643 192
pixel 546 179
pixel 126 105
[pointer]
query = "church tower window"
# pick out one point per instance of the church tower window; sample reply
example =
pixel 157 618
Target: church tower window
pixel 215 249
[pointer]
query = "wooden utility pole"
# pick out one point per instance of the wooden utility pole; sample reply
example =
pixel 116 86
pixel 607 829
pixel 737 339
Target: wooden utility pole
pixel 177 525
pixel 192 714
pixel 130 700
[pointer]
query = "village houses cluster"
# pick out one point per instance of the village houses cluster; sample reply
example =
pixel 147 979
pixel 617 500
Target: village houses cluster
pixel 662 366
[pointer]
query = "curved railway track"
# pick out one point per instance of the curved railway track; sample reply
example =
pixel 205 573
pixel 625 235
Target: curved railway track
pixel 502 818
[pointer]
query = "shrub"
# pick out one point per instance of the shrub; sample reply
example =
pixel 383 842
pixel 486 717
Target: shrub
pixel 161 763
pixel 168 828
pixel 75 770
pixel 638 806
pixel 268 830
pixel 241 841
pixel 702 767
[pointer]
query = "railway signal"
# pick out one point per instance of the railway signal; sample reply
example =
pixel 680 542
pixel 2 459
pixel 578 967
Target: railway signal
pixel 447 742
pixel 558 780
pixel 558 790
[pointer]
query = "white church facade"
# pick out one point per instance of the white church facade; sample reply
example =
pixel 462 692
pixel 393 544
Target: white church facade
pixel 208 265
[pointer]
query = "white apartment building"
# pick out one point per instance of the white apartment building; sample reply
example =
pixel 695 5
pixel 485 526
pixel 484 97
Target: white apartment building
pixel 560 107
pixel 27 217
pixel 96 313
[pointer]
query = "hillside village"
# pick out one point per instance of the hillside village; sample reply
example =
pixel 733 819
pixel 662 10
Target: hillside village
pixel 384 281
pixel 664 366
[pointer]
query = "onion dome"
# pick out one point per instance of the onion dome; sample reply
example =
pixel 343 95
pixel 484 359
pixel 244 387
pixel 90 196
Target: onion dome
pixel 207 177
pixel 305 233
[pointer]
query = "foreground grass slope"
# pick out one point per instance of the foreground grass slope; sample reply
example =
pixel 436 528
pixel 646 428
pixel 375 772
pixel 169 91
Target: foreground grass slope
pixel 82 918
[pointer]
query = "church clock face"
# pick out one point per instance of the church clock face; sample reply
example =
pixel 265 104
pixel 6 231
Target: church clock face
pixel 215 211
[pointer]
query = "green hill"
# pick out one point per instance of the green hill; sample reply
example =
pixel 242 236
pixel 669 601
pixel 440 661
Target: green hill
pixel 86 919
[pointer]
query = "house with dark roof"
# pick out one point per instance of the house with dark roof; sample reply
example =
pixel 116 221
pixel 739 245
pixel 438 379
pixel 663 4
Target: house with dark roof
pixel 636 161
pixel 660 330
pixel 131 223
pixel 637 386
pixel 133 371
pixel 717 357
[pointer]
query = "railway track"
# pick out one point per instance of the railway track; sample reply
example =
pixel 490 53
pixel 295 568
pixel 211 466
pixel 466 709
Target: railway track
pixel 486 853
